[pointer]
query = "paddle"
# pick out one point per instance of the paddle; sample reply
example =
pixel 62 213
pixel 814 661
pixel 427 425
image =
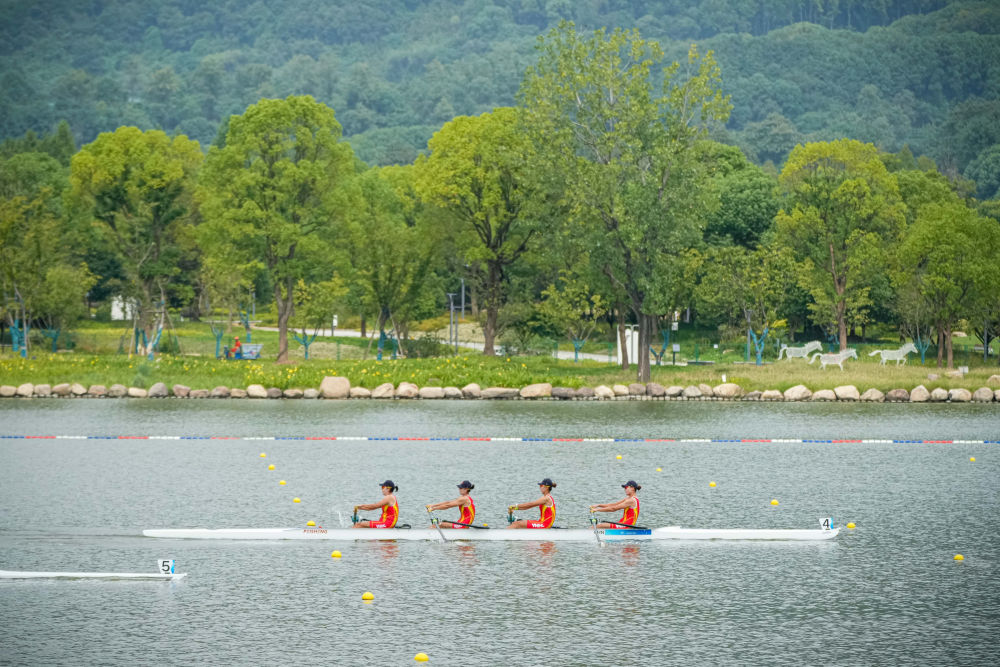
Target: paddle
pixel 593 522
pixel 436 524
pixel 467 525
pixel 627 525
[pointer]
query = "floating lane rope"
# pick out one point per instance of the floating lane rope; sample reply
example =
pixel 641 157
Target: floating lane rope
pixel 807 441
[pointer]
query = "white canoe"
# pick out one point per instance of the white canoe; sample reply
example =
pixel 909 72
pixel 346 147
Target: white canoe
pixel 488 535
pixel 12 574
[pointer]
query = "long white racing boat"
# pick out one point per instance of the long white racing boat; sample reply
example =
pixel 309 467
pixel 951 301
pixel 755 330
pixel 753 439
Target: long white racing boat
pixel 144 576
pixel 491 535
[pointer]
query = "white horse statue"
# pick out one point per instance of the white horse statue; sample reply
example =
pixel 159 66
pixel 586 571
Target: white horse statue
pixel 801 352
pixel 895 355
pixel 837 358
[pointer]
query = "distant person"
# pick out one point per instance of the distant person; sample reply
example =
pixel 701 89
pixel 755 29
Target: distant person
pixel 546 506
pixel 630 505
pixel 388 504
pixel 237 349
pixel 464 503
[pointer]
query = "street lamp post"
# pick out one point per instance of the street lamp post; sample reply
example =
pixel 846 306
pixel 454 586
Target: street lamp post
pixel 452 322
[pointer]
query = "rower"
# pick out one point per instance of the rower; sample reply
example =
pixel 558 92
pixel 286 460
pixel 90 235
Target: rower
pixel 390 508
pixel 629 503
pixel 464 503
pixel 546 505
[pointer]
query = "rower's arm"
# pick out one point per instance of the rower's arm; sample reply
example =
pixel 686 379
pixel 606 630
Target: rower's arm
pixel 529 505
pixel 446 504
pixel 374 506
pixel 613 507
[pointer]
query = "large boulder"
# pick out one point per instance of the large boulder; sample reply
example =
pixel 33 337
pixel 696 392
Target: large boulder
pixel 583 392
pixel 136 392
pixel 772 395
pixel 407 390
pixel 823 395
pixel 25 390
pixel 920 394
pixel 727 390
pixel 752 396
pixel 655 390
pixel 897 396
pixel 182 390
pixel 959 395
pixel 236 392
pixel 274 392
pixel 198 393
pixel 43 390
pixel 384 390
pixel 335 386
pixel 673 391
pixel 9 390
pixel 799 392
pixel 690 391
pixel 61 389
pixel 219 392
pixel 847 392
pixel 115 391
pixel 256 391
pixel 500 393
pixel 537 390
pixel 620 390
pixel 993 381
pixel 472 390
pixel 939 395
pixel 361 392
pixel 292 393
pixel 96 390
pixel 77 389
pixel 563 393
pixel 603 392
pixel 311 392
pixel 637 389
pixel 158 390
pixel 706 390
pixel 983 395
pixel 873 396
pixel 431 393
pixel 453 392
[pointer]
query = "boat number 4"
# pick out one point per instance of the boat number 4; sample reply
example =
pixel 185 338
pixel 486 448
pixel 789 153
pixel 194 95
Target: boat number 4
pixel 165 566
pixel 826 523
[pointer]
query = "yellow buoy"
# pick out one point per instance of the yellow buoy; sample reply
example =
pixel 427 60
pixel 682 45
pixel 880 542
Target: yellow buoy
pixel 335 554
pixel 282 482
pixel 310 523
pixel 774 501
pixel 712 484
pixel 296 500
pixel 263 455
pixel 270 467
pixel 367 595
pixel 421 657
pixel 959 557
pixel 850 526
pixel 619 457
pixel 659 470
pixel 972 458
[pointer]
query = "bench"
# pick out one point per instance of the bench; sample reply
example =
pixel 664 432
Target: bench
pixel 247 351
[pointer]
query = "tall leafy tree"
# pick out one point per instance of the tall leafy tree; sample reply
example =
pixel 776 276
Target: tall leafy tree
pixel 844 212
pixel 624 144
pixel 483 171
pixel 137 187
pixel 273 194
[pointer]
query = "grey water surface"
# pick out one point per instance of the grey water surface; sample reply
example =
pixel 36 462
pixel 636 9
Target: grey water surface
pixel 888 592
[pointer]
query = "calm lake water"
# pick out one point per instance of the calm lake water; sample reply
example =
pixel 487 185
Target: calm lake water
pixel 888 592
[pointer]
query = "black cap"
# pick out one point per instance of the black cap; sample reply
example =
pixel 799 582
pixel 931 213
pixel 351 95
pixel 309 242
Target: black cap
pixel 466 485
pixel 389 483
pixel 633 484
pixel 547 482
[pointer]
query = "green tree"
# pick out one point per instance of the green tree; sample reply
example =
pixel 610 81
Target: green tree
pixel 949 259
pixel 273 194
pixel 844 212
pixel 137 187
pixel 573 308
pixel 624 147
pixel 483 172
pixel 315 304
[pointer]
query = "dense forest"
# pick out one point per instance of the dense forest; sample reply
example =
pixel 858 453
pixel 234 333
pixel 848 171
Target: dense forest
pixel 919 73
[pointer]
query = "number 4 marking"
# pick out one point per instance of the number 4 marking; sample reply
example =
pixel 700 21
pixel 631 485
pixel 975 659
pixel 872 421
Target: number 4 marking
pixel 826 523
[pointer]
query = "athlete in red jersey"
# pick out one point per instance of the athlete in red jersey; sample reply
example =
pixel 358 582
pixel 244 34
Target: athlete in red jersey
pixel 390 508
pixel 546 505
pixel 630 504
pixel 464 503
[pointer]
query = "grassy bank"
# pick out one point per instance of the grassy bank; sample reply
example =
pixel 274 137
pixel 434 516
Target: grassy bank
pixel 205 373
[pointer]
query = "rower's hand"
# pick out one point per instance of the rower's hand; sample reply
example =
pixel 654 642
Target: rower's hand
pixel 593 508
pixel 428 507
pixel 511 508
